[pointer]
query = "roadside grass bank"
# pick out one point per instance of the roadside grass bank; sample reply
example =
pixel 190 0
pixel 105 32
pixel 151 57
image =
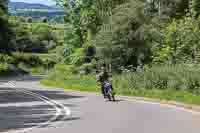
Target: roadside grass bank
pixel 80 83
pixel 168 95
pixel 5 70
pixel 169 83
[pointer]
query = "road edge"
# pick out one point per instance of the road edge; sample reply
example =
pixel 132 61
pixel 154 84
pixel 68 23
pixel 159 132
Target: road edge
pixel 186 107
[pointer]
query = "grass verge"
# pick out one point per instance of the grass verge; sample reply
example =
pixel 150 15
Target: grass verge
pixel 165 83
pixel 88 84
pixel 82 83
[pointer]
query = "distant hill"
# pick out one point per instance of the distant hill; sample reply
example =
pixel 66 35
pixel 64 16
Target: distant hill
pixel 35 10
pixel 22 5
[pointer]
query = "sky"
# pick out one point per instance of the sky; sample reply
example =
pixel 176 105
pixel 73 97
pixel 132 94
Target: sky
pixel 46 2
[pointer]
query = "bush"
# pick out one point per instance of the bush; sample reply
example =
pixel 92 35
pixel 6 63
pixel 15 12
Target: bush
pixel 28 59
pixel 6 59
pixel 178 82
pixel 90 52
pixel 23 66
pixel 8 70
pixel 38 70
pixel 180 40
pixel 4 68
pixel 87 68
pixel 49 63
pixel 169 77
pixel 77 58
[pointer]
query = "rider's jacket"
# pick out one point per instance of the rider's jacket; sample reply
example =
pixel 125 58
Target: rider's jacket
pixel 103 76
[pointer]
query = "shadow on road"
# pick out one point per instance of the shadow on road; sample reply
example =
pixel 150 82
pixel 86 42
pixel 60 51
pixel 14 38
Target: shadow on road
pixel 13 117
pixel 28 78
pixel 19 110
pixel 25 78
pixel 10 95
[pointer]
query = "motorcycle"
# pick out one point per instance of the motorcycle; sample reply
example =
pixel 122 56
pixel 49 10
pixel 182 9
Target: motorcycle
pixel 108 89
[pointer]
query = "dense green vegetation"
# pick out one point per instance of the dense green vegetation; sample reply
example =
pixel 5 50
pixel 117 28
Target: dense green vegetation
pixel 4 28
pixel 24 44
pixel 177 83
pixel 125 35
pixel 151 51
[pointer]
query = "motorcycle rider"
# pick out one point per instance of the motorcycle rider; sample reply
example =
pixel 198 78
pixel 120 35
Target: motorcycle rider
pixel 103 77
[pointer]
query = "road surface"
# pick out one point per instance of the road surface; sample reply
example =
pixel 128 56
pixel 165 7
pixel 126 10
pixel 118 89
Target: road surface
pixel 25 106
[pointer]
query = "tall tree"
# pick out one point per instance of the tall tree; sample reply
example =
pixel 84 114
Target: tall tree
pixel 152 7
pixel 5 33
pixel 196 7
pixel 82 15
pixel 3 5
pixel 182 8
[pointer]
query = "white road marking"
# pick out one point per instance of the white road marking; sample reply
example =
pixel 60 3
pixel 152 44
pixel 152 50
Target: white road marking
pixel 164 105
pixel 43 98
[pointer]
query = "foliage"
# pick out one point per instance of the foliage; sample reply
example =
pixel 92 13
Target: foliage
pixel 158 57
pixel 34 37
pixel 28 59
pixel 42 31
pixel 88 83
pixel 77 58
pixel 82 24
pixel 6 59
pixel 127 35
pixel 6 32
pixel 121 38
pixel 34 60
pixel 178 77
pixel 181 41
pixel 87 68
pixel 196 7
pixel 160 82
pixel 38 70
pixel 4 69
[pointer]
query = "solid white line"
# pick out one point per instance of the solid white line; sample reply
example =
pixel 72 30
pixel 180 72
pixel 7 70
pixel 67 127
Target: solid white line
pixel 47 100
pixel 58 111
pixel 160 104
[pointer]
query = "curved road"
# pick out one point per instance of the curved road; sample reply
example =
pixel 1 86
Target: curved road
pixel 90 113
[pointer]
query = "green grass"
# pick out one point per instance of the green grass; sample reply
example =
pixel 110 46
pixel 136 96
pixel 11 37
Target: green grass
pixel 38 70
pixel 169 95
pixel 143 84
pixel 35 63
pixel 89 85
pixel 5 70
pixel 83 83
pixel 42 56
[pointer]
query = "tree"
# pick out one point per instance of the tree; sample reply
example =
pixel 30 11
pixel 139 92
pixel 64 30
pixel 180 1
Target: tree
pixel 151 7
pixel 82 15
pixel 42 31
pixel 6 32
pixel 196 7
pixel 121 38
pixel 29 20
pixel 182 8
pixel 44 20
pixel 176 8
pixel 21 38
pixel 4 5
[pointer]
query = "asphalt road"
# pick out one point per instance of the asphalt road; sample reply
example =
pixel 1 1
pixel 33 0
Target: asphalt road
pixel 25 106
